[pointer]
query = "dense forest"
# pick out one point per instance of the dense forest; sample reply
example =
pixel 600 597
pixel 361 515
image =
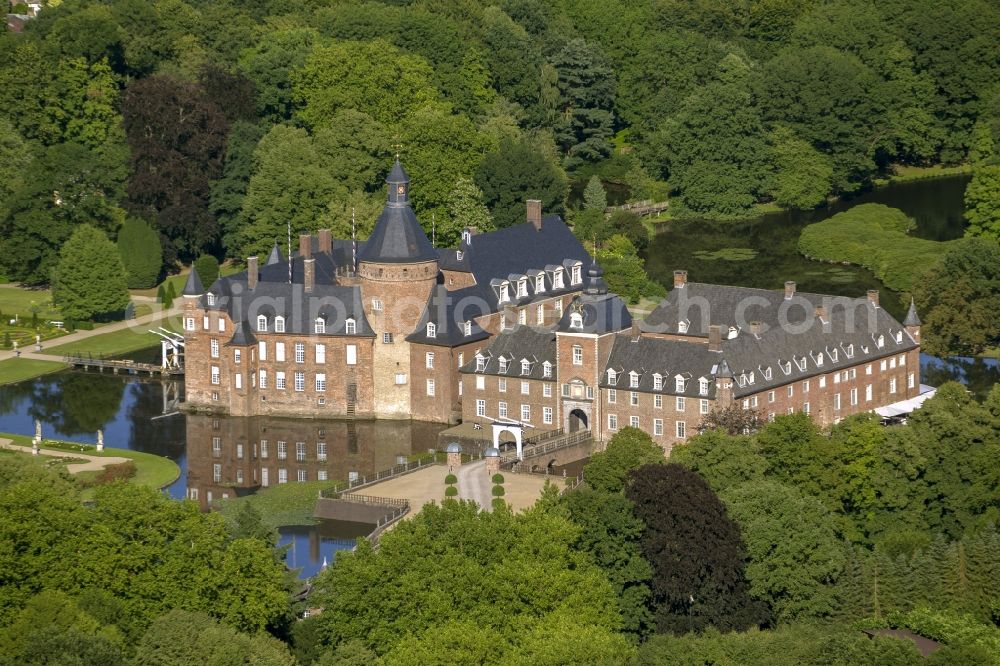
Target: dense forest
pixel 778 547
pixel 216 123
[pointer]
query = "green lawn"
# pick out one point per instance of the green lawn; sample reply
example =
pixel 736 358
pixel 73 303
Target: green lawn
pixel 903 173
pixel 110 344
pixel 17 300
pixel 19 369
pixel 283 504
pixel 151 470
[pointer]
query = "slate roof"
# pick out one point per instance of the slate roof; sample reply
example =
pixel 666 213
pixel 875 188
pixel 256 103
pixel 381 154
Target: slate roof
pixel 835 341
pixel 193 286
pixel 275 256
pixel 243 335
pixel 518 250
pixel 449 320
pixel 522 342
pixel 911 315
pixel 724 304
pixel 331 302
pixel 648 356
pixel 602 312
pixel 397 236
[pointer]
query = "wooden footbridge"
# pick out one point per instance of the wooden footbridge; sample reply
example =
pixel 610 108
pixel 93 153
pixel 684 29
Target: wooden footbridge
pixel 641 208
pixel 121 365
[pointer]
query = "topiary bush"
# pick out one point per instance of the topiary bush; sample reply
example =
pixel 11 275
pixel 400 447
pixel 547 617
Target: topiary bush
pixel 498 504
pixel 498 479
pixel 451 479
pixel 450 491
pixel 498 491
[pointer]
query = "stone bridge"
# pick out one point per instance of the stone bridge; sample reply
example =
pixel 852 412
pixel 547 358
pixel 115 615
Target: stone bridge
pixel 546 452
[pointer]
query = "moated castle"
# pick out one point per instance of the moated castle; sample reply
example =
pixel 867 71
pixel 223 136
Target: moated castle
pixel 517 325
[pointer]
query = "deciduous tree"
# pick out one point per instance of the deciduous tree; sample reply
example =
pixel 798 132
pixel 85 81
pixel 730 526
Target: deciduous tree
pixel 696 552
pixel 515 173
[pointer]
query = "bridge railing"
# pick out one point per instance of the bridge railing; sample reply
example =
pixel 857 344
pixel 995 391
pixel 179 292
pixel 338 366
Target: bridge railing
pixel 396 470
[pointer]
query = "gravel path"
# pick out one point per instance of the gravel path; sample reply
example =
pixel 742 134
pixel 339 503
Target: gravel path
pixel 94 463
pixel 474 484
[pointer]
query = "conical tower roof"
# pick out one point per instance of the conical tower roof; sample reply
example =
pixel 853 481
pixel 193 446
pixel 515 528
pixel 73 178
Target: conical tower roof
pixel 911 316
pixel 397 237
pixel 724 370
pixel 193 286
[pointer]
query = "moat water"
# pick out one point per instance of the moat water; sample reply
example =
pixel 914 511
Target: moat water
pixel 141 414
pixel 762 252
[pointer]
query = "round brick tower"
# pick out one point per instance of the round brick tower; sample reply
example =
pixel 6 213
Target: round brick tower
pixel 398 268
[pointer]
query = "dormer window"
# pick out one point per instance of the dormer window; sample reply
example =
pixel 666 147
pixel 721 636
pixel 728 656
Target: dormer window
pixel 546 369
pixel 522 287
pixel 575 320
pixel 849 350
pixel 899 337
pixel 351 326
pixel 466 237
pixel 320 325
pixel 703 386
pixel 539 283
pixel 503 365
pixel 733 332
pixel 819 361
pixel 880 342
pixel 801 363
pixel 432 330
pixel 525 366
pixel 504 292
pixel 261 324
pixel 657 382
pixel 459 254
pixel 480 363
pixel 468 328
pixel 752 377
pixel 279 324
pixel 833 355
pixel 210 298
pixel 612 377
pixel 786 367
pixel 679 384
pixel 682 326
pixel 633 379
pixel 767 373
pixel 575 275
pixel 557 279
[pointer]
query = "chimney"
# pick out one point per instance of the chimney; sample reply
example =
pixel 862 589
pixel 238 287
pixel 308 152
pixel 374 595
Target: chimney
pixel 714 337
pixel 534 209
pixel 309 274
pixel 680 279
pixel 789 290
pixel 305 246
pixel 251 273
pixel 325 244
pixel 873 296
pixel 820 312
pixel 756 327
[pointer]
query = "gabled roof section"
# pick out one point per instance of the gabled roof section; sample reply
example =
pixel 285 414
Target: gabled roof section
pixel 602 313
pixel 275 256
pixel 193 286
pixel 520 342
pixel 658 356
pixel 243 335
pixel 449 329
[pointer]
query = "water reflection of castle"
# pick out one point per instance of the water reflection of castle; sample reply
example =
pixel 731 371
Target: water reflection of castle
pixel 233 456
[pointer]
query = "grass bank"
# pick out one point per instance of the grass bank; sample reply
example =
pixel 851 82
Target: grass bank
pixel 18 369
pixel 874 236
pixel 151 470
pixel 110 344
pixel 905 173
pixel 282 504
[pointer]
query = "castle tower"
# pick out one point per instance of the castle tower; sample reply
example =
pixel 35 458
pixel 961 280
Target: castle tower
pixel 398 268
pixel 912 322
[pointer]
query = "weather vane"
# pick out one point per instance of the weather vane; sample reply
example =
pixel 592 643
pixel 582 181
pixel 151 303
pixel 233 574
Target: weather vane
pixel 397 147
